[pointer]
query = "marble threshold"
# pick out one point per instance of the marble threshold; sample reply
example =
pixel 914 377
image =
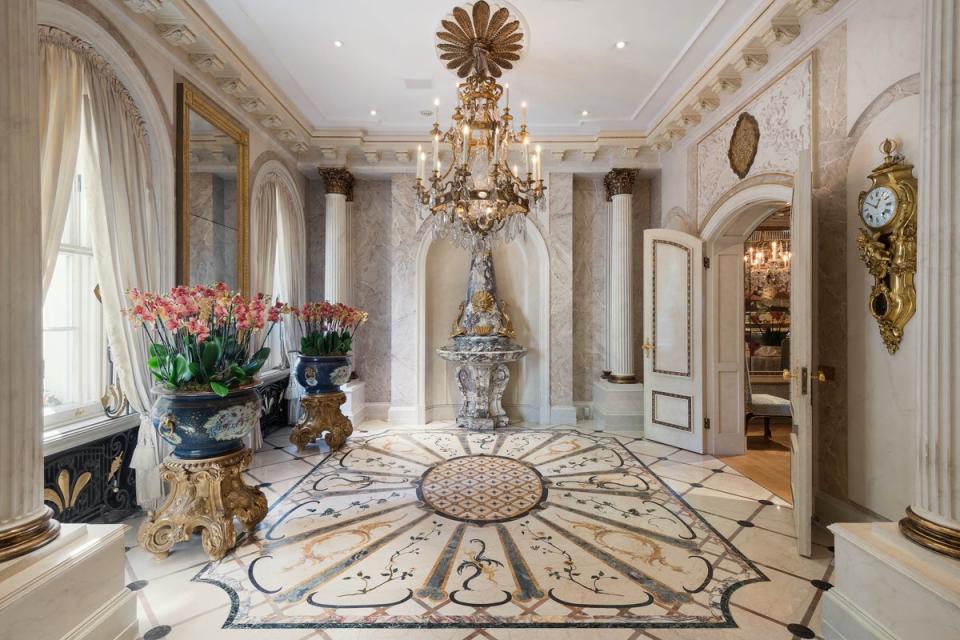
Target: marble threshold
pixel 756 521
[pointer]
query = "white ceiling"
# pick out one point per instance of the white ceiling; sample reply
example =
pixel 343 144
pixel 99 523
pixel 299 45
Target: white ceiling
pixel 570 62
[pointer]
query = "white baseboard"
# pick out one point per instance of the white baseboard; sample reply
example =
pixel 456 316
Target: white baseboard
pixel 843 620
pixel 404 415
pixel 829 510
pixel 377 411
pixel 563 414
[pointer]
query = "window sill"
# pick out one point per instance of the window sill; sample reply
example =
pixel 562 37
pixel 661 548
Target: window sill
pixel 62 438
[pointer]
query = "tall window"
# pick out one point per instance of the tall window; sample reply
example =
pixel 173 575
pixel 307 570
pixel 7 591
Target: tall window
pixel 74 339
pixel 278 355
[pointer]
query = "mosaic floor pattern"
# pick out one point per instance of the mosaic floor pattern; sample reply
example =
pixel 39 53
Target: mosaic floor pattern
pixel 517 528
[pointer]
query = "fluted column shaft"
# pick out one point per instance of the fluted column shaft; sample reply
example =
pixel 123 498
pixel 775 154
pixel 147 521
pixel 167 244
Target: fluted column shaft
pixel 937 494
pixel 620 312
pixel 24 519
pixel 608 214
pixel 336 261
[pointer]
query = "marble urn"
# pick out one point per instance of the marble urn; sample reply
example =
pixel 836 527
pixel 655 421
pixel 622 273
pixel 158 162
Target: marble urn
pixel 482 344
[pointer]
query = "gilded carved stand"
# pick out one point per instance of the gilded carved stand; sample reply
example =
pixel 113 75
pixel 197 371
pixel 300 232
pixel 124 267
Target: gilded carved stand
pixel 206 495
pixel 321 413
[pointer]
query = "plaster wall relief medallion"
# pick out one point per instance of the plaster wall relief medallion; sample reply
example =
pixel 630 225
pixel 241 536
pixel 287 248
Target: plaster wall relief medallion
pixel 743 144
pixel 783 111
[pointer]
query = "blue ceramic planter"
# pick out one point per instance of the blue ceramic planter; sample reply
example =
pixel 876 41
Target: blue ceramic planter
pixel 204 425
pixel 322 374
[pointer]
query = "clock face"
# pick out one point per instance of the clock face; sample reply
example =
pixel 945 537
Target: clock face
pixel 879 205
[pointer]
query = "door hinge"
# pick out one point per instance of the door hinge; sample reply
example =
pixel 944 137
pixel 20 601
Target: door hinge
pixel 706 262
pixel 706 423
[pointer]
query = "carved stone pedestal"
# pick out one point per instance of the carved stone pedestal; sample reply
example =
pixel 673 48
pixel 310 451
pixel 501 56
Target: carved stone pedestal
pixel 321 413
pixel 482 377
pixel 206 495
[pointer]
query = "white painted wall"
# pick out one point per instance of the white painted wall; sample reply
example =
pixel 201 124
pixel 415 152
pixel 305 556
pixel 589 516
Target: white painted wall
pixel 881 388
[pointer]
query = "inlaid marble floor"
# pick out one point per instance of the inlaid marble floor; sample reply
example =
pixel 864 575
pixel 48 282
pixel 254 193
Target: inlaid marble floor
pixel 739 517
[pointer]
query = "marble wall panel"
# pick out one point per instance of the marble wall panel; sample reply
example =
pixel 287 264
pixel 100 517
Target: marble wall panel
pixel 641 221
pixel 560 248
pixel 370 229
pixel 590 276
pixel 404 241
pixel 213 229
pixel 314 213
pixel 832 153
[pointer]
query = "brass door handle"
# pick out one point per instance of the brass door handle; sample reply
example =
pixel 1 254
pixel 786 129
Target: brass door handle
pixel 825 374
pixel 647 347
pixel 787 375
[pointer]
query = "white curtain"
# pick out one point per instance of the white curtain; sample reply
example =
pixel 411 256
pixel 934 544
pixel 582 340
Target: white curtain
pixel 61 90
pixel 126 229
pixel 292 267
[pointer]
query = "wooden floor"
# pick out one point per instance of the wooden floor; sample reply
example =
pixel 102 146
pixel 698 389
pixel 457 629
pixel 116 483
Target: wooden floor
pixel 767 462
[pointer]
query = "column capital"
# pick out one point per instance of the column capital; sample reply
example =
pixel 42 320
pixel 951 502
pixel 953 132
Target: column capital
pixel 619 182
pixel 338 180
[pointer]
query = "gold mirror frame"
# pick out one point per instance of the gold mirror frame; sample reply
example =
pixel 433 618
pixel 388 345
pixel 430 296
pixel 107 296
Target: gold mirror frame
pixel 190 99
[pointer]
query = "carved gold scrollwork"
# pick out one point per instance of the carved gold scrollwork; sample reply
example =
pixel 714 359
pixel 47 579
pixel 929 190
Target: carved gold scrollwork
pixel 322 416
pixel 206 495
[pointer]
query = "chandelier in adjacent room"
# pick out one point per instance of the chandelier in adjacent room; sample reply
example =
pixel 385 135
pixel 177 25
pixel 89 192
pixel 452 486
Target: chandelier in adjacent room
pixel 477 197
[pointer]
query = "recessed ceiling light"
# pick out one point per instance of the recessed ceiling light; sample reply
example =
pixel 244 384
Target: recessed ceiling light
pixel 338 43
pixel 584 113
pixel 373 112
pixel 621 44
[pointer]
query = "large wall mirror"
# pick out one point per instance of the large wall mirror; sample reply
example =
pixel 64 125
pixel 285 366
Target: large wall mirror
pixel 212 193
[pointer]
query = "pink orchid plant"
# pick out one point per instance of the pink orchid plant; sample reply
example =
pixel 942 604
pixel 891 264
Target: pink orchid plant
pixel 328 328
pixel 205 337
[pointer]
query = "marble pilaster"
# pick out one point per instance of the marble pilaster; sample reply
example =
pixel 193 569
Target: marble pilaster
pixel 315 214
pixel 25 521
pixel 403 240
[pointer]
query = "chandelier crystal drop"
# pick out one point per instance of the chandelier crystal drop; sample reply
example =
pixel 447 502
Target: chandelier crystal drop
pixel 477 198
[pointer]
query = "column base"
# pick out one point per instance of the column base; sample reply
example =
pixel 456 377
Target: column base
pixel 887 587
pixel 930 534
pixel 32 534
pixel 618 405
pixel 622 378
pixel 71 588
pixel 355 407
pixel 207 495
pixel 322 416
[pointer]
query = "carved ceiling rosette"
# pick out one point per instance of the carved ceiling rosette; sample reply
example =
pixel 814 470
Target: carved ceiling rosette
pixel 480 42
pixel 743 144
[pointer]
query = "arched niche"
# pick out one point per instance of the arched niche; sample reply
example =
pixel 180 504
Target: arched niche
pixel 523 271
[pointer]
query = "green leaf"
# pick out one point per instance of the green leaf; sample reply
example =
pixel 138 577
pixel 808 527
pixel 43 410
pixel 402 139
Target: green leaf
pixel 219 388
pixel 181 371
pixel 196 371
pixel 262 355
pixel 210 356
pixel 157 350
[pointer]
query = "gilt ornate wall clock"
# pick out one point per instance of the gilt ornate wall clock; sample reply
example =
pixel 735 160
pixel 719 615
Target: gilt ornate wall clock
pixel 888 244
pixel 743 144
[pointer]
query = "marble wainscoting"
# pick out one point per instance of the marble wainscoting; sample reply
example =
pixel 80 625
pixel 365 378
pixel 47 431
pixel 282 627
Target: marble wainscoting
pixel 405 236
pixel 370 228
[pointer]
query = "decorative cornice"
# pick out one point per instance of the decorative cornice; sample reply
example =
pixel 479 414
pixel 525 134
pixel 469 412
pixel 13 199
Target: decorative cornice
pixel 143 6
pixel 619 182
pixel 233 86
pixel 179 35
pixel 337 180
pixel 207 62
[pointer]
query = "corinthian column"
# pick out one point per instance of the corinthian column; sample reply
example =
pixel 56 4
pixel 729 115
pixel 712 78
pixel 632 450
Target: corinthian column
pixel 25 522
pixel 933 519
pixel 336 277
pixel 619 183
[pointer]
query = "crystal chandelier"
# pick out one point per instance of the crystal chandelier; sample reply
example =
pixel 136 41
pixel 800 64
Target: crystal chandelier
pixel 477 198
pixel 767 259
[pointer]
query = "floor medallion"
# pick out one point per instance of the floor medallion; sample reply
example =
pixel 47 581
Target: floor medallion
pixel 515 528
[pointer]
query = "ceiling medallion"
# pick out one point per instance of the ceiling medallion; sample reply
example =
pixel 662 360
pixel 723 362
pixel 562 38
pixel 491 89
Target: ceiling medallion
pixel 477 197
pixel 743 144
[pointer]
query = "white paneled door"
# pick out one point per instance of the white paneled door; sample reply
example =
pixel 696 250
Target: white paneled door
pixel 802 312
pixel 672 346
